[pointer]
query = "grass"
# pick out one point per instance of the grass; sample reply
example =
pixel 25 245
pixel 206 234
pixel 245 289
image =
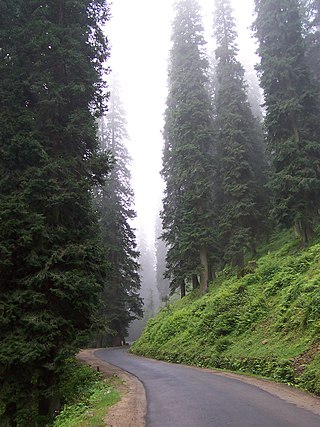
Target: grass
pixel 266 323
pixel 87 397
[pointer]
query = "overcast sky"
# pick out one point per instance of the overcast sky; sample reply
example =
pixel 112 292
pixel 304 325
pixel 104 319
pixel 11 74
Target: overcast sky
pixel 139 33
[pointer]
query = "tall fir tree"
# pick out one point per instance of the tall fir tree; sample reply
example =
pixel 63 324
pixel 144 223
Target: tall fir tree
pixel 241 156
pixel 121 301
pixel 255 94
pixel 51 265
pixel 187 164
pixel 148 292
pixel 292 115
pixel 163 284
pixel 311 9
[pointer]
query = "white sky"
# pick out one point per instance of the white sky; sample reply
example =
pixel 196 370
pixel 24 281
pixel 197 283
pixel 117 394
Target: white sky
pixel 139 33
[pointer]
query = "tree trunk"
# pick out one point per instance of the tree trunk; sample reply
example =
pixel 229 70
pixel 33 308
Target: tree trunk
pixel 304 230
pixel 211 273
pixel 195 282
pixel 116 341
pixel 238 260
pixel 183 288
pixel 49 399
pixel 10 414
pixel 253 249
pixel 204 271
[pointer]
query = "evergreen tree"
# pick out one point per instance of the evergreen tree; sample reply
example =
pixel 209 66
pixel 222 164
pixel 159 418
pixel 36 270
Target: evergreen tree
pixel 312 29
pixel 148 292
pixel 187 164
pixel 241 158
pixel 255 95
pixel 292 115
pixel 121 302
pixel 51 265
pixel 161 253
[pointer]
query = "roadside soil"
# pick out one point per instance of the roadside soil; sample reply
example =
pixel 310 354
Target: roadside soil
pixel 131 410
pixel 289 394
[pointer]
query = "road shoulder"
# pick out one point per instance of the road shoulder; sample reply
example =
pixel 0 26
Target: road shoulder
pixel 289 394
pixel 131 410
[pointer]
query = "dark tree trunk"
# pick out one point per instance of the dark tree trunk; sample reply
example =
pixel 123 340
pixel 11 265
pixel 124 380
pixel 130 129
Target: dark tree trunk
pixel 195 282
pixel 117 341
pixel 204 272
pixel 305 231
pixel 183 288
pixel 253 249
pixel 10 414
pixel 238 260
pixel 211 273
pixel 49 401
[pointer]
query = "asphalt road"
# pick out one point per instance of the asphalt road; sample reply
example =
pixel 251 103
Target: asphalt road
pixel 180 396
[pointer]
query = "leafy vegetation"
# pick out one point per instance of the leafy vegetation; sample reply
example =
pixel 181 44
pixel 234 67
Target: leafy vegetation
pixel 86 395
pixel 265 323
pixel 52 268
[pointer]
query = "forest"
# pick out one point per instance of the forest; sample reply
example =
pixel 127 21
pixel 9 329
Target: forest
pixel 241 204
pixel 239 226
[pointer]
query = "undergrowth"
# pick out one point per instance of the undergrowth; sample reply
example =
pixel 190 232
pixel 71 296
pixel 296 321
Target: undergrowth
pixel 266 323
pixel 86 396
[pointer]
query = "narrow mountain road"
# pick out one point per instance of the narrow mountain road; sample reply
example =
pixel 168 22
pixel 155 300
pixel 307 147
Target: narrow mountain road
pixel 182 396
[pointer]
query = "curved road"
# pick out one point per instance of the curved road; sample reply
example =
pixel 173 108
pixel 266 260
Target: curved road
pixel 181 396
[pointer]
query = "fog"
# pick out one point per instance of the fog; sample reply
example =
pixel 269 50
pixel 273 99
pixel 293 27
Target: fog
pixel 139 33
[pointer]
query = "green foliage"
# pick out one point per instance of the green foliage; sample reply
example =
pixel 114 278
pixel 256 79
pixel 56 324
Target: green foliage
pixel 266 323
pixel 120 298
pixel 188 160
pixel 241 160
pixel 292 110
pixel 310 378
pixel 311 10
pixel 86 397
pixel 52 267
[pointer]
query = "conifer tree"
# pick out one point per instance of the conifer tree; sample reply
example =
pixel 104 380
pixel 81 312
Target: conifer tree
pixel 148 292
pixel 161 252
pixel 121 302
pixel 312 28
pixel 51 260
pixel 255 96
pixel 241 157
pixel 187 164
pixel 292 115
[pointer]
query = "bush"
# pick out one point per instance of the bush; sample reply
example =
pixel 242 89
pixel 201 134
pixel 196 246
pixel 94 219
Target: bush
pixel 86 397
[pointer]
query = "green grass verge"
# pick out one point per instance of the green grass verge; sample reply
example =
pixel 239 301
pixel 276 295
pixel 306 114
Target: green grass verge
pixel 87 396
pixel 266 323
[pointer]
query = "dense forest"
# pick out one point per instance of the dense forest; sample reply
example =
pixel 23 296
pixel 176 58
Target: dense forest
pixel 235 173
pixel 69 264
pixel 230 178
pixel 241 204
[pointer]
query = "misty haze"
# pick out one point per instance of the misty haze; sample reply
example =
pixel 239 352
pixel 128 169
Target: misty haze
pixel 159 213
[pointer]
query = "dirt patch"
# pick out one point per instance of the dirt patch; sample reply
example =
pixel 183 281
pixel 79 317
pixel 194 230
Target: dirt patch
pixel 301 362
pixel 131 410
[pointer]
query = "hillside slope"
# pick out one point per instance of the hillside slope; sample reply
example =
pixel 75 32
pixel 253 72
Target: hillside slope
pixel 266 323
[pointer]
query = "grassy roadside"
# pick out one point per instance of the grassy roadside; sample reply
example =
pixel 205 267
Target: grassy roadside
pixel 266 323
pixel 87 395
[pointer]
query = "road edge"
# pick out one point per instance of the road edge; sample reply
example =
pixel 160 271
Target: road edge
pixel 300 398
pixel 131 410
